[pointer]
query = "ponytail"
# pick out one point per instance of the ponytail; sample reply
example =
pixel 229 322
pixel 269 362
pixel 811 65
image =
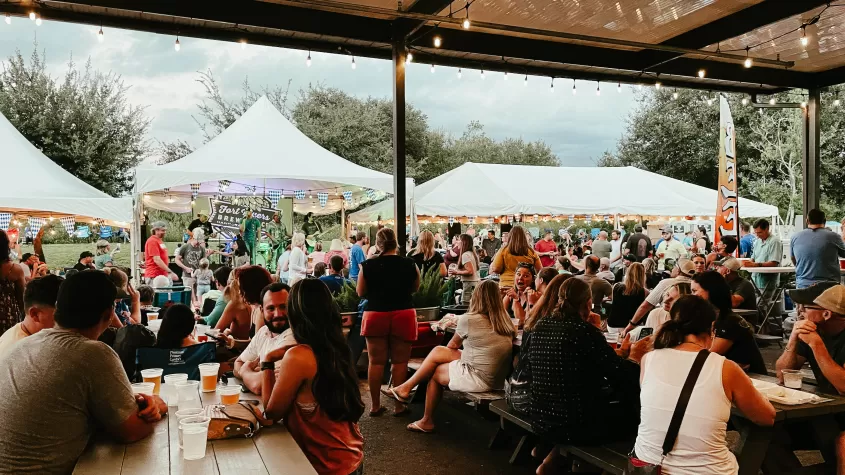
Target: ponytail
pixel 669 335
pixel 691 315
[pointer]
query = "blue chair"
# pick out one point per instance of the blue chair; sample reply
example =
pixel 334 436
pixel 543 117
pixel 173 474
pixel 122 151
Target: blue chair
pixel 177 360
pixel 105 232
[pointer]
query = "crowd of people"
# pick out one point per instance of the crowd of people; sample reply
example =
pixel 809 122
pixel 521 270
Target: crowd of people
pixel 610 328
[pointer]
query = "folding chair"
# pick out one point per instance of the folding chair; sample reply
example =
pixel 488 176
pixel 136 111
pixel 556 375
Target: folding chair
pixel 177 360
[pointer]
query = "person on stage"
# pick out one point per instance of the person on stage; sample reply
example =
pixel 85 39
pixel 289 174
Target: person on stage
pixel 311 230
pixel 278 234
pixel 250 230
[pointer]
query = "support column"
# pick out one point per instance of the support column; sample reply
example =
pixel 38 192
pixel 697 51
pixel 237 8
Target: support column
pixel 399 190
pixel 811 156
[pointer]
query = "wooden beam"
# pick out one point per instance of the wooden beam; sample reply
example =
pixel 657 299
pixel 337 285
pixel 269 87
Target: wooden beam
pixel 399 162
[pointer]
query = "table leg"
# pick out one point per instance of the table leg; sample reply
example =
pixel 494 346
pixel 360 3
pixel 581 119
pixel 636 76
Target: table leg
pixel 754 443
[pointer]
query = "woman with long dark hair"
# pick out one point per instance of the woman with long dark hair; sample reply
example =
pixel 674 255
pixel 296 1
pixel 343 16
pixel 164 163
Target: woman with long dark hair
pixel 177 327
pixel 468 265
pixel 12 283
pixel 700 447
pixel 734 337
pixel 317 392
pixel 627 297
pixel 242 316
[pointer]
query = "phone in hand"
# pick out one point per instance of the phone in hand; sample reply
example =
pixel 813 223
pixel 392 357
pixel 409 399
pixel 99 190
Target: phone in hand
pixel 645 333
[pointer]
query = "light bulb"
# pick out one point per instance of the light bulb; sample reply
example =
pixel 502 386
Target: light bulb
pixel 701 73
pixel 177 46
pixel 639 86
pixel 657 85
pixel 482 74
pixel 804 39
pixel 598 90
pixel 574 91
pixel 506 75
pixel 836 102
pixel 38 21
pixel 459 73
pixel 552 87
pixel 619 87
pixel 709 101
pixel 32 16
pixel 748 62
pixel 437 42
pixel 525 83
pixel 353 63
pixel 243 44
pixel 409 58
pixel 308 60
pixel 803 104
pixel 8 19
pixel 432 69
pixel 745 101
pixel 465 24
pixel 311 196
pixel 100 36
pixel 772 101
pixel 675 95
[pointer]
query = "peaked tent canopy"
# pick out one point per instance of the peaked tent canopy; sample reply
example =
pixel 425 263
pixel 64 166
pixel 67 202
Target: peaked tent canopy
pixel 476 189
pixel 34 184
pixel 261 149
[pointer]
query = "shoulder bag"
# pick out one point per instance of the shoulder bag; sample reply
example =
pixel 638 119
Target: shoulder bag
pixel 235 420
pixel 639 467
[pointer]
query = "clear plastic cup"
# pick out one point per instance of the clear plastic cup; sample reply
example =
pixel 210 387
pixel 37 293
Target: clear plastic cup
pixel 792 378
pixel 195 421
pixel 189 396
pixel 208 375
pixel 168 390
pixel 153 375
pixel 152 316
pixel 229 394
pixel 143 388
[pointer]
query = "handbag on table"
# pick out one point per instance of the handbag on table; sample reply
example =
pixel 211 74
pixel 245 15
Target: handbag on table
pixel 640 467
pixel 235 420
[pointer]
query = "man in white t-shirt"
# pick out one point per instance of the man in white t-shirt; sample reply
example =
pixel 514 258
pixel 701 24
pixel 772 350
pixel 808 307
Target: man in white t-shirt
pixel 615 249
pixel 669 248
pixel 275 333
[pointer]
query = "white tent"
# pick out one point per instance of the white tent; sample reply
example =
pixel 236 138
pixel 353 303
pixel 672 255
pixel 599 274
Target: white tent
pixel 262 149
pixel 476 189
pixel 35 185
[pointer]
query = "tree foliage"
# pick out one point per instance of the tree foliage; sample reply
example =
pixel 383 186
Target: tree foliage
pixel 171 151
pixel 679 138
pixel 83 122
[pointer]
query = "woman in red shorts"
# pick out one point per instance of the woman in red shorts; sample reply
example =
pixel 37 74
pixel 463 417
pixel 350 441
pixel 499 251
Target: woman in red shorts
pixel 390 321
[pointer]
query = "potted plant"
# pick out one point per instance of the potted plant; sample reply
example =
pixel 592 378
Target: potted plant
pixel 347 301
pixel 429 297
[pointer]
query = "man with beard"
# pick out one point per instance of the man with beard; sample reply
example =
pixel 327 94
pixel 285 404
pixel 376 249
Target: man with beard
pixel 275 333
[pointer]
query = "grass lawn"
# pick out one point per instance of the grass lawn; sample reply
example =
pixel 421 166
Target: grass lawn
pixel 66 255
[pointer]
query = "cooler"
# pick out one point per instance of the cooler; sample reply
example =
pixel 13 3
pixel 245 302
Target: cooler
pixel 175 294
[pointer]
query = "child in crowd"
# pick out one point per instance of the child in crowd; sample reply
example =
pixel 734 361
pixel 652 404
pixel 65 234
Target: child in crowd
pixel 203 276
pixel 320 269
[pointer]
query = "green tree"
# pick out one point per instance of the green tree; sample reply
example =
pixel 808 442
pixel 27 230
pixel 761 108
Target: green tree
pixel 171 151
pixel 83 122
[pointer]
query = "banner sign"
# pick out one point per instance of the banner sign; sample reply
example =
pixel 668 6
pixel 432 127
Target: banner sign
pixel 727 210
pixel 226 217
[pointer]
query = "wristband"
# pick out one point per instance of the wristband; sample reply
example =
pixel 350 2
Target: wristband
pixel 265 365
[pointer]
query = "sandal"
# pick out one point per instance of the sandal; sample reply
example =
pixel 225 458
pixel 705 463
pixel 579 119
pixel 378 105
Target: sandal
pixel 391 392
pixel 413 427
pixel 378 412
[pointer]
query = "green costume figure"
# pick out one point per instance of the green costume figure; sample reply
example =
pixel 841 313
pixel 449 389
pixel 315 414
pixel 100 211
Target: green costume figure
pixel 250 229
pixel 278 234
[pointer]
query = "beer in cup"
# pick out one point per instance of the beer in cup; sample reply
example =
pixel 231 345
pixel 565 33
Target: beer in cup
pixel 229 394
pixel 208 375
pixel 153 375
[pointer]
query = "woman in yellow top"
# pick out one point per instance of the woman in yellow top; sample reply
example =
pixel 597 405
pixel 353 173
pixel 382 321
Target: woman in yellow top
pixel 511 255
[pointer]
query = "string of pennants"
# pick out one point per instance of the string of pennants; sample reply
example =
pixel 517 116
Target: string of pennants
pixel 35 223
pixel 275 195
pixel 536 218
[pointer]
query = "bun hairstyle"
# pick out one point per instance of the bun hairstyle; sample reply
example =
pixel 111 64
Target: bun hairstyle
pixel 691 315
pixel 386 240
pixel 574 295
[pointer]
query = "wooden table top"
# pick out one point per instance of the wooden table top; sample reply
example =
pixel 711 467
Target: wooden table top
pixel 802 411
pixel 272 450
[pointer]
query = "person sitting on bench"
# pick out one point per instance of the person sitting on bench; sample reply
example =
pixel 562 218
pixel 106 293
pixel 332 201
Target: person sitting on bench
pixel 486 333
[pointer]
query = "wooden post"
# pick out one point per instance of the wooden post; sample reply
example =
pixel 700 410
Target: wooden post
pixel 811 160
pixel 399 190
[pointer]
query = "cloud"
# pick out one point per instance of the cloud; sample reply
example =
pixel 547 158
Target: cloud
pixel 577 128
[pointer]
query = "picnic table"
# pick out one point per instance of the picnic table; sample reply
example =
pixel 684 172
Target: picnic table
pixel 272 450
pixel 755 441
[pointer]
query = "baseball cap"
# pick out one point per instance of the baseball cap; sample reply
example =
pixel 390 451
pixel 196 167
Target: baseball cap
pixel 730 263
pixel 631 258
pixel 808 295
pixel 833 299
pixel 668 229
pixel 158 225
pixel 203 212
pixel 686 267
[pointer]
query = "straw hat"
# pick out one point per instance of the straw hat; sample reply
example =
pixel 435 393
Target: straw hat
pixel 833 299
pixel 336 245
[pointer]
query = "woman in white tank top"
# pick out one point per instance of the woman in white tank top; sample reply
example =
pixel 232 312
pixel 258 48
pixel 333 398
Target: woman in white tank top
pixel 700 448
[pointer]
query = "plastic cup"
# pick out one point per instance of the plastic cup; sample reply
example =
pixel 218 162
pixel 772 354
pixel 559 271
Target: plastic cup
pixel 189 415
pixel 194 420
pixel 152 316
pixel 792 378
pixel 208 375
pixel 168 390
pixel 202 338
pixel 143 388
pixel 153 375
pixel 229 394
pixel 188 395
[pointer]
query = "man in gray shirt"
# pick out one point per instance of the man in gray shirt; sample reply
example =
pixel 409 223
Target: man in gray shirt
pixel 601 246
pixel 61 383
pixel 599 287
pixel 491 245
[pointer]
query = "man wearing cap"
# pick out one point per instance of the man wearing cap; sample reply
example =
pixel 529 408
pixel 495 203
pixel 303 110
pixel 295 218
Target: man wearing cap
pixel 669 248
pixel 201 222
pixel 85 262
pixel 743 295
pixel 155 254
pixel 682 272
pixel 815 252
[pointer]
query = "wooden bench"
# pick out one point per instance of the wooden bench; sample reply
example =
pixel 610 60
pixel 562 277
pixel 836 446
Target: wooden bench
pixel 612 458
pixel 479 400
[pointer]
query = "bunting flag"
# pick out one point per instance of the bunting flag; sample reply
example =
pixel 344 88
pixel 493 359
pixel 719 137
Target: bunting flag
pixel 100 221
pixel 324 198
pixel 5 219
pixel 347 195
pixel 250 189
pixel 607 217
pixel 274 196
pixel 299 194
pixel 195 191
pixel 35 225
pixel 222 185
pixel 371 194
pixel 490 220
pixel 68 222
pixel 571 218
pixel 588 219
pixel 451 220
pixel 472 220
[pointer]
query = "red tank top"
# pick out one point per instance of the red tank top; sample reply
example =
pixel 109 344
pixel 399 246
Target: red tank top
pixel 332 447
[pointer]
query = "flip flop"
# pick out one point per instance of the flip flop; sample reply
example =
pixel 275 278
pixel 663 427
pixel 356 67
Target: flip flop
pixel 378 412
pixel 413 427
pixel 391 392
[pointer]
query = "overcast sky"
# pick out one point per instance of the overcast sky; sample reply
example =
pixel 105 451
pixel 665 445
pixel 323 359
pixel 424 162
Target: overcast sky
pixel 578 128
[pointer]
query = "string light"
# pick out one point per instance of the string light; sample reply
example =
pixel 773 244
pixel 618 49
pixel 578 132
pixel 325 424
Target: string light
pixel 506 75
pixel 243 44
pixel 574 91
pixel 100 36
pixel 804 39
pixel 353 63
pixel 598 88
pixel 466 23
pixel 432 69
pixel 177 46
pixel 38 20
pixel 32 16
pixel 308 59
pixel 772 101
pixel 675 95
pixel 709 101
pixel 459 73
pixel 409 58
pixel 745 101
pixel 552 87
pixel 657 85
pixel 836 102
pixel 619 87
pixel 482 74
pixel 748 62
pixel 8 19
pixel 437 41
pixel 702 73
pixel 525 83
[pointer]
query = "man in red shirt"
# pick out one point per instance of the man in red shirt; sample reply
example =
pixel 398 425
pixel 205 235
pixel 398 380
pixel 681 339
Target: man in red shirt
pixel 155 254
pixel 546 249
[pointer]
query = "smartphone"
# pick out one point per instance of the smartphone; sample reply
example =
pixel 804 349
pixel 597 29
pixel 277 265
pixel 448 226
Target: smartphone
pixel 220 337
pixel 645 333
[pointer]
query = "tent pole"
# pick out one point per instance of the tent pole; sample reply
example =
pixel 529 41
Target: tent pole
pixel 343 230
pixel 135 237
pixel 399 203
pixel 810 160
